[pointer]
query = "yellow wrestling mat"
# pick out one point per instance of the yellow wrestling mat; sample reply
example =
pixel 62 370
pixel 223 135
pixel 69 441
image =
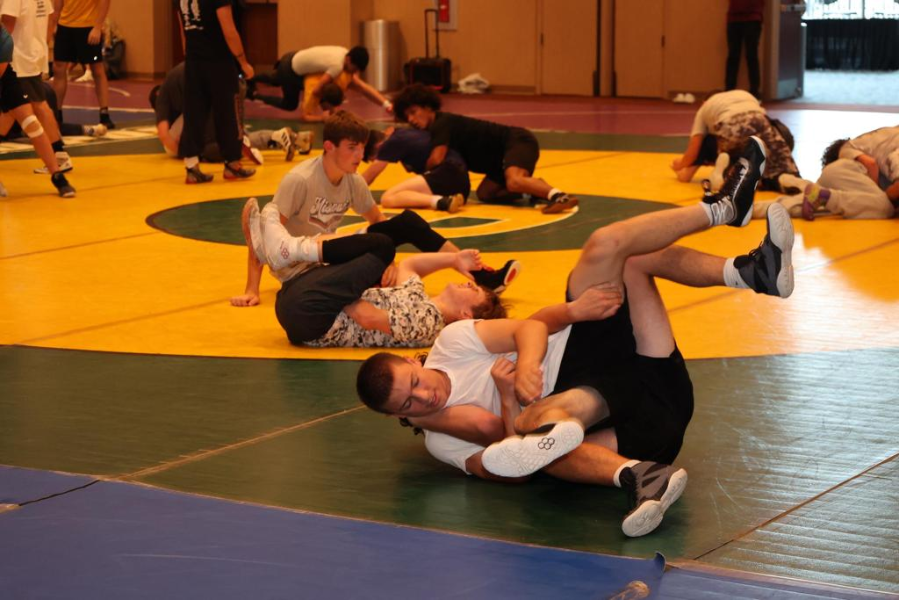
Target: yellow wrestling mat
pixel 92 274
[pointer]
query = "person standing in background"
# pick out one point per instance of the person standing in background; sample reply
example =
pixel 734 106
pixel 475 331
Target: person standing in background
pixel 211 47
pixel 79 39
pixel 744 28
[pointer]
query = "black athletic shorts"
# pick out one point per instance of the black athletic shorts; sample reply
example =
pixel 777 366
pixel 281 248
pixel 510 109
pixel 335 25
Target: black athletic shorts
pixel 651 400
pixel 34 88
pixel 522 150
pixel 12 95
pixel 308 304
pixel 448 178
pixel 71 46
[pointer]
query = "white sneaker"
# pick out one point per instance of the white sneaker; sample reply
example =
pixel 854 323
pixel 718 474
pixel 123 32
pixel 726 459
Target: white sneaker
pixel 520 456
pixel 285 138
pixel 63 161
pixel 679 98
pixel 98 130
pixel 304 142
pixel 251 153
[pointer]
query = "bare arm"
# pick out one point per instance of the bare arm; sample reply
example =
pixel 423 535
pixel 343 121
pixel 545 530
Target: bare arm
pixel 95 35
pixel 226 21
pixel 164 135
pixel 251 288
pixel 595 304
pixel 685 163
pixel 374 215
pixel 374 170
pixel 529 339
pixel 368 316
pixel 370 92
pixel 437 156
pixel 466 422
pixel 323 81
pixel 426 263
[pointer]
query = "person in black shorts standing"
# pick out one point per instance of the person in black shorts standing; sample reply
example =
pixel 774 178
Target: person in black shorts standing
pixel 79 39
pixel 14 100
pixel 506 155
pixel 212 45
pixel 606 400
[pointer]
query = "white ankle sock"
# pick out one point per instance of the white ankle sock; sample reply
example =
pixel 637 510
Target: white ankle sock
pixel 732 277
pixel 554 192
pixel 630 463
pixel 191 162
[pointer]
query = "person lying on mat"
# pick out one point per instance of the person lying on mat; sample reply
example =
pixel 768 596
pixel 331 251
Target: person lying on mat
pixel 605 400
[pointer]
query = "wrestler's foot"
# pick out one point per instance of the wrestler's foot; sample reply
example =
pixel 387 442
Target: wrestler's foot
pixel 733 203
pixel 195 175
pixel 768 269
pixel 252 233
pixel 451 204
pixel 498 279
pixel 232 173
pixel 652 488
pixel 815 197
pixel 250 153
pixel 286 138
pixel 520 456
pixel 62 185
pixel 559 202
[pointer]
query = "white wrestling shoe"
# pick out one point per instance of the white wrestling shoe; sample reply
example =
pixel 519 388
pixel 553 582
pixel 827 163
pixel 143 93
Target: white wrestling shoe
pixel 520 456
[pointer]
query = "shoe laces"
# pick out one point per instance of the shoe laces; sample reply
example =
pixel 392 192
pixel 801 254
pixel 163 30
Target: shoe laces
pixel 734 176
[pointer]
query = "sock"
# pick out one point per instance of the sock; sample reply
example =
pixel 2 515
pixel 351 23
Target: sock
pixel 553 193
pixel 191 162
pixel 732 276
pixel 623 466
pixel 817 195
pixel 58 146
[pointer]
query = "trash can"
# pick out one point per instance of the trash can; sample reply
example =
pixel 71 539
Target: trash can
pixel 382 39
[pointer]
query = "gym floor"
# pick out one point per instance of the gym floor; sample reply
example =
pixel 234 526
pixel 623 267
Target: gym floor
pixel 158 442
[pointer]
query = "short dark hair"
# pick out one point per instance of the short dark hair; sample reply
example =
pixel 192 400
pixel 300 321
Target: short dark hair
pixel 344 125
pixel 833 151
pixel 415 95
pixel 491 308
pixel 332 96
pixel 359 57
pixel 375 380
pixel 376 136
pixel 153 95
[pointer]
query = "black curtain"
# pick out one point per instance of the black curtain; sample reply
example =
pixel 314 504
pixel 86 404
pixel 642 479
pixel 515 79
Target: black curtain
pixel 852 45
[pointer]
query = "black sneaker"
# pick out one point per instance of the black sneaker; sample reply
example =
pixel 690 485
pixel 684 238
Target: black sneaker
pixel 62 185
pixel 768 269
pixel 733 203
pixel 451 204
pixel 195 175
pixel 498 279
pixel 106 121
pixel 652 488
pixel 558 203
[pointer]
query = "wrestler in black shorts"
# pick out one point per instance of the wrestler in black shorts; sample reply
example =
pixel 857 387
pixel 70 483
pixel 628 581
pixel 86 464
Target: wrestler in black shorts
pixel 651 400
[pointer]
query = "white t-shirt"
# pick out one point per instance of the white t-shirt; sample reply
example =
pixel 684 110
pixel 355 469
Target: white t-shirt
pixel 319 59
pixel 30 35
pixel 882 145
pixel 460 353
pixel 313 206
pixel 720 107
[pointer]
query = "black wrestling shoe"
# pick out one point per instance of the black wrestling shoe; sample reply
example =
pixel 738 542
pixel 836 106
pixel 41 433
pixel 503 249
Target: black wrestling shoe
pixel 652 488
pixel 558 203
pixel 733 203
pixel 232 174
pixel 195 175
pixel 106 121
pixel 498 279
pixel 451 204
pixel 768 269
pixel 62 185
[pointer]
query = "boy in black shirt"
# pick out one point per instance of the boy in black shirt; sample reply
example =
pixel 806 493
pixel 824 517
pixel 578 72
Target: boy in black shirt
pixel 506 155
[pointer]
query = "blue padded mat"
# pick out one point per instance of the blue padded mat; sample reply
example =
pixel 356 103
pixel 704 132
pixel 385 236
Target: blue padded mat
pixel 19 485
pixel 115 540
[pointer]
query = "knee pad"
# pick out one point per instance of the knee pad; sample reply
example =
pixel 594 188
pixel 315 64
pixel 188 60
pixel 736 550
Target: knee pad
pixel 32 127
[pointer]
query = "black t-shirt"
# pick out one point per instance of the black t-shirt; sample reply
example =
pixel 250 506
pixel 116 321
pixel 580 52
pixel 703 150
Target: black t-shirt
pixel 202 32
pixel 480 143
pixel 170 99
